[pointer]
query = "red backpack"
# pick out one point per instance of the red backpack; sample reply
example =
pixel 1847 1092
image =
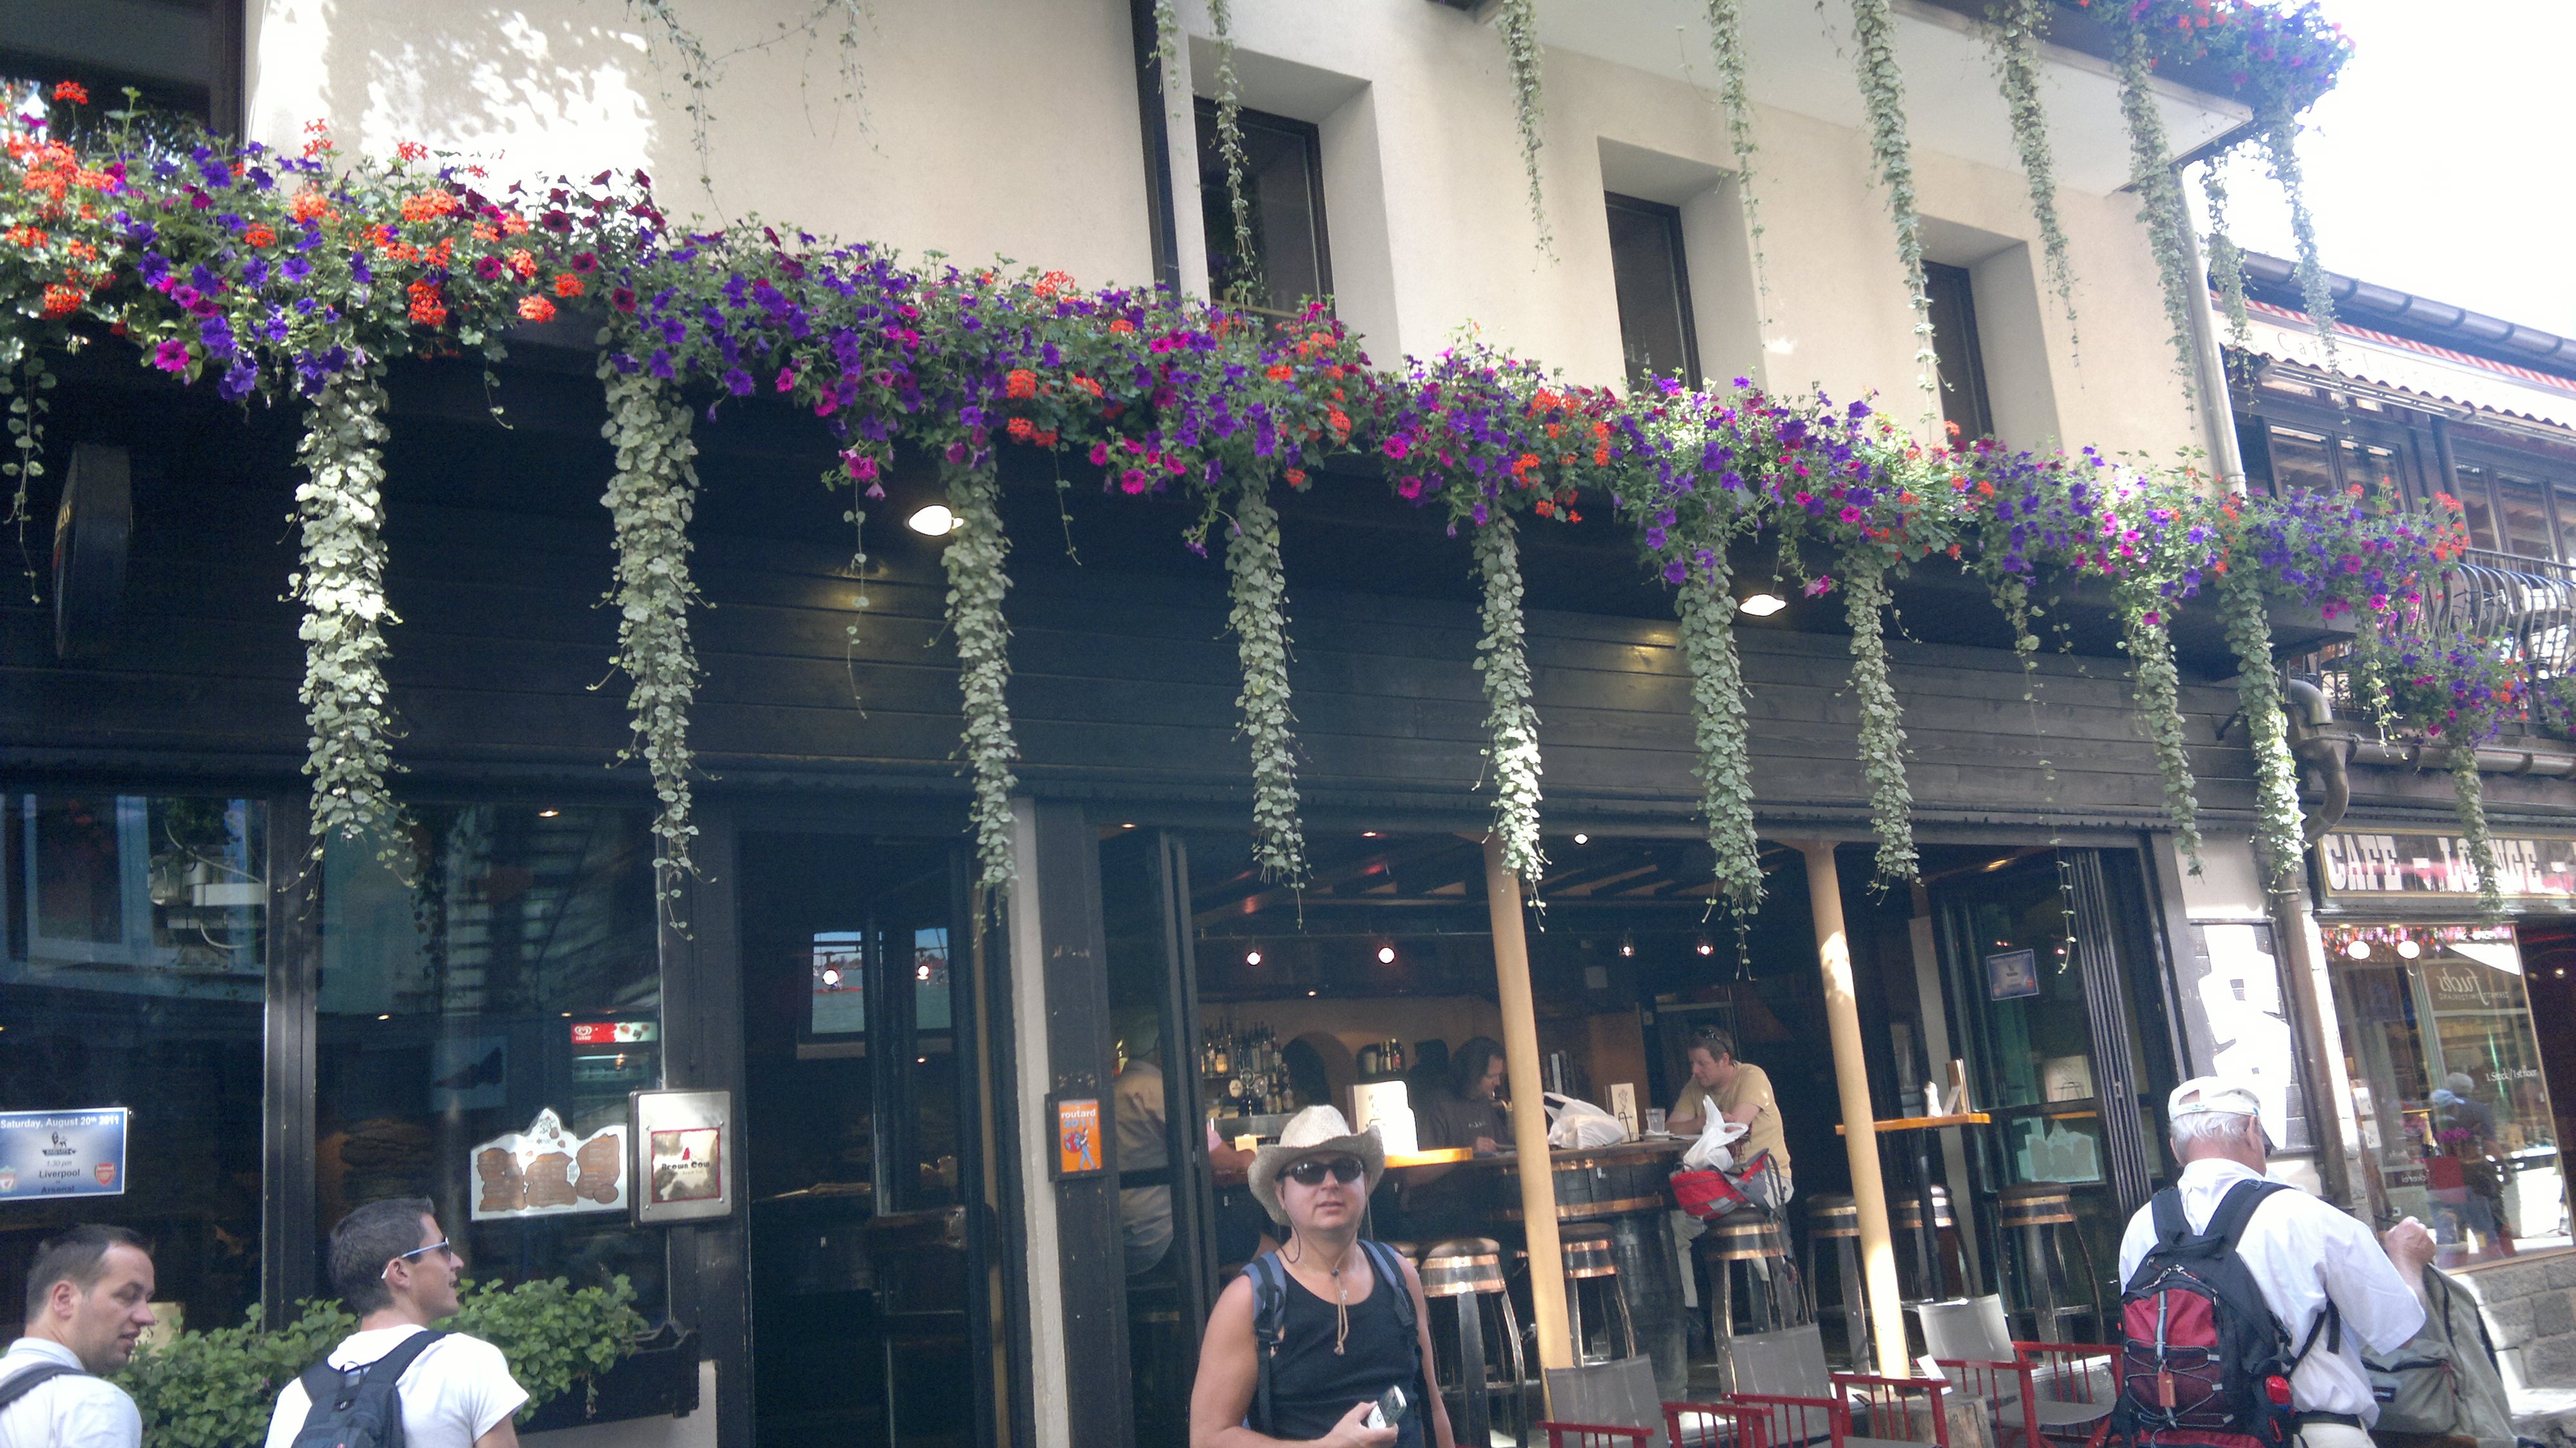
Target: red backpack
pixel 2202 1359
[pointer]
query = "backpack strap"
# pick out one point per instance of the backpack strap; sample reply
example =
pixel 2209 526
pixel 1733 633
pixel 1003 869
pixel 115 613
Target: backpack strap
pixel 2329 1323
pixel 2171 1225
pixel 339 1386
pixel 2227 1224
pixel 21 1384
pixel 1390 1270
pixel 1269 1329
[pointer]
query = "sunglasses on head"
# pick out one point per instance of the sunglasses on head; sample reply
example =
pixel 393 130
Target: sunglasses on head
pixel 1312 1171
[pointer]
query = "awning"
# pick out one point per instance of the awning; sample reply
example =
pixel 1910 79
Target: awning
pixel 2435 373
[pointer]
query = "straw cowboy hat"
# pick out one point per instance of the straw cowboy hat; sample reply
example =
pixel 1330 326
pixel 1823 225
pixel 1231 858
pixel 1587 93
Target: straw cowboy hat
pixel 1315 1131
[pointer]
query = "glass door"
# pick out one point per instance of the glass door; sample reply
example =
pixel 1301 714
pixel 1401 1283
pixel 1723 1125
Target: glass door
pixel 866 1263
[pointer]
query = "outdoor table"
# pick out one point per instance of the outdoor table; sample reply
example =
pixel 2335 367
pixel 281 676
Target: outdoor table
pixel 1928 1228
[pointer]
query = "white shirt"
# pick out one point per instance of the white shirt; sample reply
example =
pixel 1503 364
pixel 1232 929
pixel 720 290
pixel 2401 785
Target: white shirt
pixel 457 1390
pixel 1144 1213
pixel 66 1412
pixel 2302 1251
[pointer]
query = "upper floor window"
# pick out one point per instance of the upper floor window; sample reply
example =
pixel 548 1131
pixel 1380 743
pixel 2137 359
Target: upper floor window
pixel 1964 403
pixel 1653 283
pixel 182 58
pixel 1283 190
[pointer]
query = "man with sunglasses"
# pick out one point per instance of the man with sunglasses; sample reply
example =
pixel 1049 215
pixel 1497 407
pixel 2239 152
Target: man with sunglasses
pixel 396 1270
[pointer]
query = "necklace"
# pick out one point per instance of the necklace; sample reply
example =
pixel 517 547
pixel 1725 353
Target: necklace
pixel 1341 1295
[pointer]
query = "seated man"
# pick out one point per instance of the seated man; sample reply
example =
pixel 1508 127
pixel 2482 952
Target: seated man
pixel 1470 1116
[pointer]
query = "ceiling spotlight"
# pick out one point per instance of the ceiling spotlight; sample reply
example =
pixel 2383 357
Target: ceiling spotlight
pixel 831 975
pixel 547 814
pixel 1761 605
pixel 1310 992
pixel 1583 839
pixel 1127 826
pixel 2560 972
pixel 2409 949
pixel 1386 955
pixel 384 1018
pixel 1707 949
pixel 1627 945
pixel 932 521
pixel 1368 834
pixel 1252 957
pixel 2358 950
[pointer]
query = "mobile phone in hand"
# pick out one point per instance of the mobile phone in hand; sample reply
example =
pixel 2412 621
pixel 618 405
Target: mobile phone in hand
pixel 1388 1411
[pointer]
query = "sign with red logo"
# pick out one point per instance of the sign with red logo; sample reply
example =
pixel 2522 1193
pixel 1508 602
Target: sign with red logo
pixel 105 1172
pixel 612 1033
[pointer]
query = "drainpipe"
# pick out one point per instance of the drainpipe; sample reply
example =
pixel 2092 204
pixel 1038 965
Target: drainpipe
pixel 2209 368
pixel 2294 927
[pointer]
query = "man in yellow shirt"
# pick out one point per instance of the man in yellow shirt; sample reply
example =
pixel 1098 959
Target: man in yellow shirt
pixel 1741 1093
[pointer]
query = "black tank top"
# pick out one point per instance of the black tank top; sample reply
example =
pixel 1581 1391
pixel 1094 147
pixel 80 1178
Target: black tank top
pixel 1311 1387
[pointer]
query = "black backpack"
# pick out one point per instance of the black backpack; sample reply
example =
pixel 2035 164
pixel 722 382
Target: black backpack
pixel 20 1385
pixel 359 1407
pixel 1270 1318
pixel 2202 1358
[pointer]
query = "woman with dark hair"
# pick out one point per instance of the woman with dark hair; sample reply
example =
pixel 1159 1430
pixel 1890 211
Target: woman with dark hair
pixel 1470 1116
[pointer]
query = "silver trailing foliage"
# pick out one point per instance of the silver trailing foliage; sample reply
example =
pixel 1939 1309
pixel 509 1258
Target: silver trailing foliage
pixel 974 559
pixel 1519 22
pixel 340 580
pixel 1707 610
pixel 2469 798
pixel 1260 623
pixel 1882 93
pixel 1882 734
pixel 650 500
pixel 2281 150
pixel 2158 691
pixel 2280 830
pixel 1511 720
pixel 2159 192
pixel 2013 31
pixel 1726 40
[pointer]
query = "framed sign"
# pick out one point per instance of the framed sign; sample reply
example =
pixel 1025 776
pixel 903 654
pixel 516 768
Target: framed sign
pixel 684 1150
pixel 547 1171
pixel 62 1153
pixel 2012 975
pixel 1077 1135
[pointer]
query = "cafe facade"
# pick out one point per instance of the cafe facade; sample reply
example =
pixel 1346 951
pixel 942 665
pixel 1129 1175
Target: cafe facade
pixel 900 1197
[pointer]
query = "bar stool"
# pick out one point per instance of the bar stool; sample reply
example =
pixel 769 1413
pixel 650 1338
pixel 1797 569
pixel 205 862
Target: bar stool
pixel 1756 1248
pixel 1905 1223
pixel 1833 1223
pixel 1469 1271
pixel 2041 1216
pixel 1591 1269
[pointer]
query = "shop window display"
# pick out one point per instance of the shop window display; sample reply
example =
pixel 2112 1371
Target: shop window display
pixel 481 1019
pixel 2446 1078
pixel 132 978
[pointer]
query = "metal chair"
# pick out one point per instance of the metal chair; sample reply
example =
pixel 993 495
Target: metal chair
pixel 1594 1435
pixel 2030 1390
pixel 1468 1271
pixel 1592 1270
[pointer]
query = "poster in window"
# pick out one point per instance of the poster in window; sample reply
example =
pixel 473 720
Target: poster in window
pixel 684 1147
pixel 1077 1135
pixel 2012 975
pixel 62 1153
pixel 546 1171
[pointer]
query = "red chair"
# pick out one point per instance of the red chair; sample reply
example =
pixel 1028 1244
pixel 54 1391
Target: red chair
pixel 1880 1406
pixel 1786 1420
pixel 2051 1392
pixel 1716 1425
pixel 1594 1435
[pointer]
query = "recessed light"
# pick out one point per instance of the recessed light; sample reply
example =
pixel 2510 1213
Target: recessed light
pixel 1761 605
pixel 932 521
pixel 1368 834
pixel 1707 949
pixel 1252 957
pixel 547 814
pixel 1386 955
pixel 2409 949
pixel 1310 992
pixel 1128 826
pixel 384 1018
pixel 2358 950
pixel 1583 839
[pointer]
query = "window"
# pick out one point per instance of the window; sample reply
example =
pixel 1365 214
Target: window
pixel 514 976
pixel 1283 189
pixel 1653 283
pixel 2300 461
pixel 183 57
pixel 1954 345
pixel 135 963
pixel 2523 510
pixel 2471 486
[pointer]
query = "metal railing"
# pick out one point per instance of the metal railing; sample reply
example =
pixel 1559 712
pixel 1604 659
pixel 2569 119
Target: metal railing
pixel 2529 603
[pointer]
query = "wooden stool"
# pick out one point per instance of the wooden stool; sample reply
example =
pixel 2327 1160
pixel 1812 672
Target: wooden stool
pixel 1905 1223
pixel 1833 1223
pixel 2040 1216
pixel 1591 1268
pixel 1469 1271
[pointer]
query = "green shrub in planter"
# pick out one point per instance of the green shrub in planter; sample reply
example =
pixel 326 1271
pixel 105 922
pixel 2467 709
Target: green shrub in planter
pixel 216 1389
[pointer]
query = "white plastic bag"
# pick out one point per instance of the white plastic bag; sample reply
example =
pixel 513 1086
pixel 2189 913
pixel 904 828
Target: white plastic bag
pixel 1710 1152
pixel 1580 1123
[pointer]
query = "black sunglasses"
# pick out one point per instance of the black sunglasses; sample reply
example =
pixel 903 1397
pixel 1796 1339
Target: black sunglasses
pixel 1312 1171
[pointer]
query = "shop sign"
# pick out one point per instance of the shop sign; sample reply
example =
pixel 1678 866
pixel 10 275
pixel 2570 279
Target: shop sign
pixel 63 1153
pixel 684 1141
pixel 612 1033
pixel 545 1171
pixel 2466 985
pixel 2369 864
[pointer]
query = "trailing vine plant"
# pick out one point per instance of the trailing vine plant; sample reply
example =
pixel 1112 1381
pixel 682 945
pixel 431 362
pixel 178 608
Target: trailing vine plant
pixel 1519 23
pixel 2280 832
pixel 2157 690
pixel 977 580
pixel 1882 90
pixel 1882 735
pixel 2160 202
pixel 1259 590
pixel 650 499
pixel 2281 152
pixel 1247 285
pixel 340 581
pixel 2226 264
pixel 2013 32
pixel 1735 93
pixel 1707 610
pixel 25 380
pixel 1511 718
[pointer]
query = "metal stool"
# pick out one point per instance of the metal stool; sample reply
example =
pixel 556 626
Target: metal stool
pixel 1835 1220
pixel 1591 1268
pixel 1469 1270
pixel 2044 1215
pixel 1905 1223
pixel 1755 1249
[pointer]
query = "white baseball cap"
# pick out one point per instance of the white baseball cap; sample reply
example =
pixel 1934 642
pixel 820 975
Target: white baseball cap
pixel 2213 1093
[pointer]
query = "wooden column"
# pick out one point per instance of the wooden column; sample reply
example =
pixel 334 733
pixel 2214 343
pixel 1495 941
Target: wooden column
pixel 1529 1111
pixel 1860 1124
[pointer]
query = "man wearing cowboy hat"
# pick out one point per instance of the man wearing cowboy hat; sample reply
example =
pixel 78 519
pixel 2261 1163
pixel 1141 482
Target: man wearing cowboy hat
pixel 1330 1301
pixel 2303 1253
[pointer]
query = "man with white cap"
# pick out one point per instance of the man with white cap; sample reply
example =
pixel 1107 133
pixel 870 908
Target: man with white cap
pixel 2303 1254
